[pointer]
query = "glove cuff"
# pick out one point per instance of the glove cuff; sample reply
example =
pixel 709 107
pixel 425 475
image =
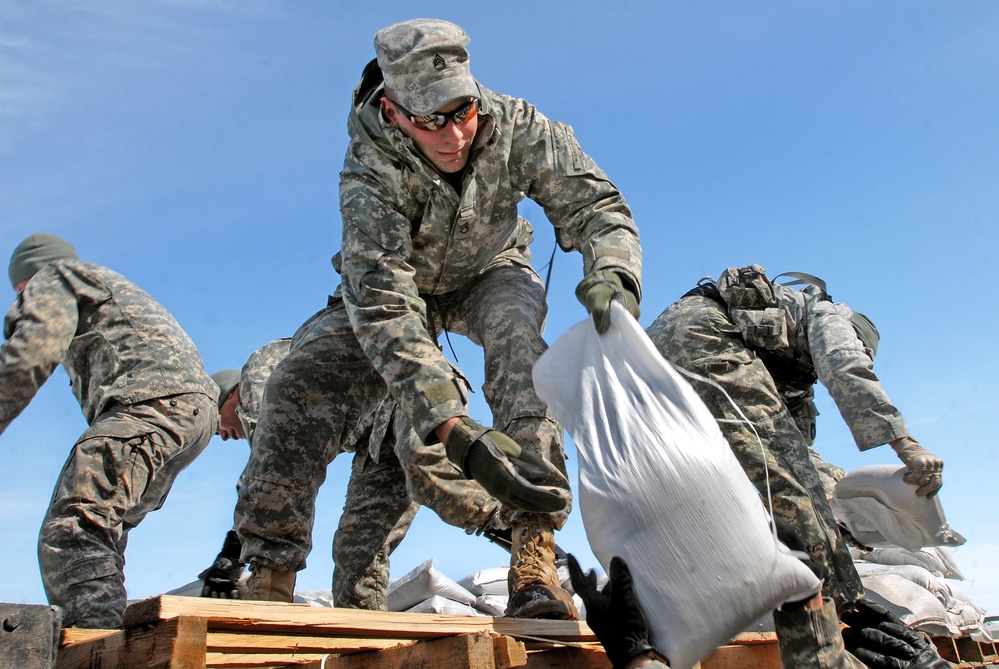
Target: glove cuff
pixel 463 435
pixel 231 547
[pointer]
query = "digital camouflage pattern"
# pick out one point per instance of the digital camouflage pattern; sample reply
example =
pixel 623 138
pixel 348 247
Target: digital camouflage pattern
pixel 697 334
pixel 252 377
pixel 116 343
pixel 150 405
pixel 419 257
pixel 812 639
pixel 382 497
pixel 408 234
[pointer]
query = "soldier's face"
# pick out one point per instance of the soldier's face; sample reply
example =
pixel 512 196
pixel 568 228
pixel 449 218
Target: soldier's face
pixel 230 427
pixel 448 148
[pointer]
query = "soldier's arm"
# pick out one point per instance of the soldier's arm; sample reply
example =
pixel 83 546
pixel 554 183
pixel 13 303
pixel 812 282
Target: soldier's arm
pixel 39 329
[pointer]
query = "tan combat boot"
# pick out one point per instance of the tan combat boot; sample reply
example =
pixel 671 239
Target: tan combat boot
pixel 270 585
pixel 535 590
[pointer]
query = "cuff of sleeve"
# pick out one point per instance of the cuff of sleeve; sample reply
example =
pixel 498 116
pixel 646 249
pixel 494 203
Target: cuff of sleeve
pixel 436 404
pixel 881 426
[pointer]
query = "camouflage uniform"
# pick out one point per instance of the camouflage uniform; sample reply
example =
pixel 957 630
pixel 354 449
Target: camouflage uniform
pixel 383 495
pixel 151 409
pixel 699 334
pixel 420 256
pixel 252 377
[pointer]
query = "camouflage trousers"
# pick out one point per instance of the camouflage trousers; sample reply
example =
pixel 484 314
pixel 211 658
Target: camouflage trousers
pixel 324 393
pixel 696 334
pixel 812 639
pixel 121 468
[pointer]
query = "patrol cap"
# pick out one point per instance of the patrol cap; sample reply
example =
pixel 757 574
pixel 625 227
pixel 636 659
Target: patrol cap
pixel 425 62
pixel 226 380
pixel 34 253
pixel 867 331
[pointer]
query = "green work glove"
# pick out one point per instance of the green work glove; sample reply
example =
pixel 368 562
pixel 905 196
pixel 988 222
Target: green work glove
pixel 613 613
pixel 496 462
pixel 925 469
pixel 598 289
pixel 879 639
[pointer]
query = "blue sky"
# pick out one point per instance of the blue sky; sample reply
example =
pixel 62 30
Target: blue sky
pixel 195 146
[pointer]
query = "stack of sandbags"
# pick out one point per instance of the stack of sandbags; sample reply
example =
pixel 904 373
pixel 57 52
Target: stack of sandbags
pixel 426 590
pixel 908 569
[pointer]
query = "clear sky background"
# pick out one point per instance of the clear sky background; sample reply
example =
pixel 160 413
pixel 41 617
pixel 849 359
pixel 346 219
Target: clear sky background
pixel 195 146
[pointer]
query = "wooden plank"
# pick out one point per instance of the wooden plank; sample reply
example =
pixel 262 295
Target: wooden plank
pixel 261 660
pixel 508 653
pixel 248 642
pixel 753 655
pixel 172 644
pixel 71 635
pixel 568 658
pixel 969 650
pixel 947 648
pixel 279 617
pixel 464 651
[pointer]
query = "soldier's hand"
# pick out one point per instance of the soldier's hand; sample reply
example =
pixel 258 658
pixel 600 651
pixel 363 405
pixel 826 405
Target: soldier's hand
pixel 613 613
pixel 222 578
pixel 925 469
pixel 598 289
pixel 496 461
pixel 879 639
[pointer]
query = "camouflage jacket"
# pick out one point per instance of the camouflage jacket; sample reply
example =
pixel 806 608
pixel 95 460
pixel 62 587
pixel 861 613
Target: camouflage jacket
pixel 252 379
pixel 407 233
pixel 117 343
pixel 821 334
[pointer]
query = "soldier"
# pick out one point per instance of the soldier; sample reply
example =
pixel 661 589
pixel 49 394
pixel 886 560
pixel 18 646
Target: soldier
pixel 432 242
pixel 765 345
pixel 390 479
pixel 142 387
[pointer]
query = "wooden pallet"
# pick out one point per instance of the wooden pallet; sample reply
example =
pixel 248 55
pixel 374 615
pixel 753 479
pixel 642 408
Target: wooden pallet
pixel 190 632
pixel 169 632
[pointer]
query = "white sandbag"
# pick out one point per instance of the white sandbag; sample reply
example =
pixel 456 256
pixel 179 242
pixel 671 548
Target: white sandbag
pixel 880 509
pixel 321 598
pixel 491 581
pixel 914 604
pixel 935 559
pixel 918 575
pixel 968 616
pixel 659 486
pixel 492 605
pixel 443 606
pixel 420 584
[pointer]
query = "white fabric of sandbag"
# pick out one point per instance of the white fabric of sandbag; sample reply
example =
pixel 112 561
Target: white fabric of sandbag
pixel 490 581
pixel 880 509
pixel 420 584
pixel 935 559
pixel 492 605
pixel 918 575
pixel 660 487
pixel 443 606
pixel 914 604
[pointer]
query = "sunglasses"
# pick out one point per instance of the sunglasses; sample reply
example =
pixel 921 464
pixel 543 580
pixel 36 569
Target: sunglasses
pixel 438 120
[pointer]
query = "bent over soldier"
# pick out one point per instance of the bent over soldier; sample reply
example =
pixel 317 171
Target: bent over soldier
pixel 765 345
pixel 432 242
pixel 144 391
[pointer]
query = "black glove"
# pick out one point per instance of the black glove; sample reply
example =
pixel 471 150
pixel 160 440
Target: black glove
pixel 598 289
pixel 495 461
pixel 613 614
pixel 879 639
pixel 222 577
